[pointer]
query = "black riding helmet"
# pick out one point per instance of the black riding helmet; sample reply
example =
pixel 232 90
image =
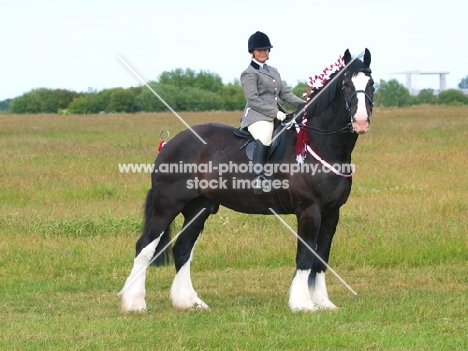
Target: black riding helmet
pixel 259 40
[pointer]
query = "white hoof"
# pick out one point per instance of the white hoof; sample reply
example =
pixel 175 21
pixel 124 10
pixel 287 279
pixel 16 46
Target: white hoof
pixel 200 305
pixel 132 303
pixel 307 306
pixel 189 302
pixel 327 305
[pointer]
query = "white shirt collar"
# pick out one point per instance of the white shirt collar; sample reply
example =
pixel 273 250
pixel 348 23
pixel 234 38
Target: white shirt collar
pixel 259 63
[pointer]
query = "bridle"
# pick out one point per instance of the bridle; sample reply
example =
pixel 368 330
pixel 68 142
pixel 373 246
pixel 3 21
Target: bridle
pixel 290 122
pixel 353 95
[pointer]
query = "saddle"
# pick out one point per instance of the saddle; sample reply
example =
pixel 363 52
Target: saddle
pixel 275 154
pixel 277 148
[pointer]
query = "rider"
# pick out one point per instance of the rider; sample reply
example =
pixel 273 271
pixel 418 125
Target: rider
pixel 263 86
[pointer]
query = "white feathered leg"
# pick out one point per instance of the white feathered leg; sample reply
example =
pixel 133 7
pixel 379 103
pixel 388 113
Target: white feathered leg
pixel 133 293
pixel 183 295
pixel 299 297
pixel 319 294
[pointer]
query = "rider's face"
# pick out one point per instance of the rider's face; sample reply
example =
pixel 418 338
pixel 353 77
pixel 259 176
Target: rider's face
pixel 261 55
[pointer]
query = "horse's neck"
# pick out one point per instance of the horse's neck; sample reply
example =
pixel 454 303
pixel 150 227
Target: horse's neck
pixel 336 146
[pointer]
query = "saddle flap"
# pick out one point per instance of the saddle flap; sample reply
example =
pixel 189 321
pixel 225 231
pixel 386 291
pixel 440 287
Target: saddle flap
pixel 243 133
pixel 277 147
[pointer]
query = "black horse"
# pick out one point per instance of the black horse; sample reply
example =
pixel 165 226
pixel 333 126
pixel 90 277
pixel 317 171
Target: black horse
pixel 194 178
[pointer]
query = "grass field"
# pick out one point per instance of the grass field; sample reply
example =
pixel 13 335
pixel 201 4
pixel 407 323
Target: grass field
pixel 69 221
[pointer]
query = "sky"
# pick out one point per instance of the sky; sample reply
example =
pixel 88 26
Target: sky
pixel 76 45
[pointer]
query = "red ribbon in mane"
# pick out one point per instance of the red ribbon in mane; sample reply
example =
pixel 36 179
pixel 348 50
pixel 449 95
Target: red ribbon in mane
pixel 302 140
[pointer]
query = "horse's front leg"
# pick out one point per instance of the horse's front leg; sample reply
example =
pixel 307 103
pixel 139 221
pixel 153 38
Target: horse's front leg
pixel 317 286
pixel 308 222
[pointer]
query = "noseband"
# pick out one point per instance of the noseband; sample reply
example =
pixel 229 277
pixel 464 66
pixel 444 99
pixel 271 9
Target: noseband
pixel 353 95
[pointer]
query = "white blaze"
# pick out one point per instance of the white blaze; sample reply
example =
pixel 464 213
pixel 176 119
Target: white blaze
pixel 360 119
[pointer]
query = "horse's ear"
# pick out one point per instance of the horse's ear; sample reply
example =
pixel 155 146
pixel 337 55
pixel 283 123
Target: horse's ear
pixel 347 56
pixel 367 58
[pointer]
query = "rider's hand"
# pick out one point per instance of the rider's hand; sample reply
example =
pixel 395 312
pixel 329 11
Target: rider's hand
pixel 280 116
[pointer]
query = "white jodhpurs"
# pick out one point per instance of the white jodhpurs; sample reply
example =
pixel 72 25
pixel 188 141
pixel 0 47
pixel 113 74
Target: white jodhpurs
pixel 262 130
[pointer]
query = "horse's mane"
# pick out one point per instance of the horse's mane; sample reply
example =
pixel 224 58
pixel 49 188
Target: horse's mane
pixel 326 96
pixel 330 89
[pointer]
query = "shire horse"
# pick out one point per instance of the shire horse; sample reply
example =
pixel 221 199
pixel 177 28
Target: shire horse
pixel 335 119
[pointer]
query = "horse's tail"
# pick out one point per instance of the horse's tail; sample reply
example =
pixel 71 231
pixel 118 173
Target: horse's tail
pixel 163 251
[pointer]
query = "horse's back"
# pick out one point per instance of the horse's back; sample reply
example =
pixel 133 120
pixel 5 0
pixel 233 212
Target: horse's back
pixel 202 142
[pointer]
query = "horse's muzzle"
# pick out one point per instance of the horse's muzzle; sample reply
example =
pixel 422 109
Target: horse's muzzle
pixel 360 125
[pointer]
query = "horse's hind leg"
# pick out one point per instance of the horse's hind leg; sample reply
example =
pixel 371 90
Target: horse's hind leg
pixel 155 235
pixel 196 212
pixel 133 293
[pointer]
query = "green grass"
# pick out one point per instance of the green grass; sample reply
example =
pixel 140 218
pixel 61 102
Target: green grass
pixel 69 222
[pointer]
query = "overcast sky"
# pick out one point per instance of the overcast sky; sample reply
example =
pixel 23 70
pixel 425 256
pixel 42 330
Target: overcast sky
pixel 76 45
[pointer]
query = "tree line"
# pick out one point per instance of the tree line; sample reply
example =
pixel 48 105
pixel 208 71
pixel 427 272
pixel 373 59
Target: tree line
pixel 187 90
pixel 394 94
pixel 183 90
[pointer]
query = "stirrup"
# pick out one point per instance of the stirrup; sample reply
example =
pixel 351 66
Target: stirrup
pixel 257 184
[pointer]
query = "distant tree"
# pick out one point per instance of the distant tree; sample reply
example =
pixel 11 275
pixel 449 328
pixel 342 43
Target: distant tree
pixel 180 99
pixel 392 94
pixel 178 78
pixel 195 99
pixel 121 100
pixel 61 98
pixel 208 81
pixel 463 83
pixel 147 101
pixel 5 104
pixel 19 104
pixel 233 96
pixel 453 97
pixel 42 100
pixel 298 90
pixel 189 78
pixel 426 96
pixel 79 105
pixel 89 103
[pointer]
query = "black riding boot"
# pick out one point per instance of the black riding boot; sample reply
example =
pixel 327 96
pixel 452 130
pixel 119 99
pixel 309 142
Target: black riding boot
pixel 259 158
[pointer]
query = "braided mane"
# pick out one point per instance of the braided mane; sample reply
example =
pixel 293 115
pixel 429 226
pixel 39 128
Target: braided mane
pixel 318 82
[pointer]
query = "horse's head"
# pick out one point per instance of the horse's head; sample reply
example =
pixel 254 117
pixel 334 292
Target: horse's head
pixel 358 89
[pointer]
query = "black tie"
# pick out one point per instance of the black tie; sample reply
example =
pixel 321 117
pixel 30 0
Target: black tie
pixel 265 67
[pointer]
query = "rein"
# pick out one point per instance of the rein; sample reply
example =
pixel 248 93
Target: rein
pixel 346 129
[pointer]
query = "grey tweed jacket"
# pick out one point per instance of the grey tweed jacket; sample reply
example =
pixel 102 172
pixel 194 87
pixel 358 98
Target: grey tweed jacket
pixel 262 89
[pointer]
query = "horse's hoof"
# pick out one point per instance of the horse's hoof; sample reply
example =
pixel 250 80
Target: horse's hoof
pixel 200 306
pixel 307 307
pixel 137 305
